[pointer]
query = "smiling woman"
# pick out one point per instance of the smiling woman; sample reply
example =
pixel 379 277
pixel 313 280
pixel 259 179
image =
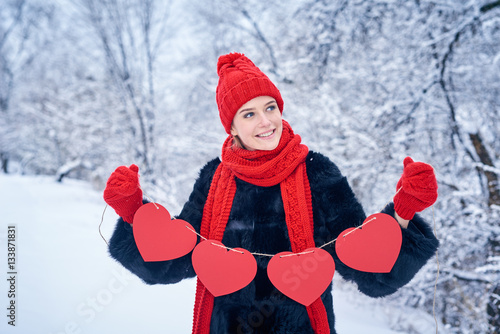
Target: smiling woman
pixel 269 194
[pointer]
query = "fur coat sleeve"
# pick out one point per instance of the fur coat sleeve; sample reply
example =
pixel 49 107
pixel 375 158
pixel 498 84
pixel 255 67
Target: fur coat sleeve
pixel 122 245
pixel 335 208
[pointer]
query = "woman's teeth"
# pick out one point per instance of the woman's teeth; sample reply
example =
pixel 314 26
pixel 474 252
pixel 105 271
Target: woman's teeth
pixel 267 134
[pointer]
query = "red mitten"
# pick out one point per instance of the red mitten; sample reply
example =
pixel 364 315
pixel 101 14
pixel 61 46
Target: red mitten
pixel 418 189
pixel 123 192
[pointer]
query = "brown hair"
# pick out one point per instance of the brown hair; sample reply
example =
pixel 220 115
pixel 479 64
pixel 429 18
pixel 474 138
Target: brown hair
pixel 238 143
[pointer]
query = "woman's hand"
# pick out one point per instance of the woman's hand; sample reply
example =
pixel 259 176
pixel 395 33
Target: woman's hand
pixel 416 190
pixel 123 192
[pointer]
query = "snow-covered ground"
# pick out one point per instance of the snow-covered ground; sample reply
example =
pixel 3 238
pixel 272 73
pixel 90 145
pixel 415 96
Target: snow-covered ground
pixel 66 283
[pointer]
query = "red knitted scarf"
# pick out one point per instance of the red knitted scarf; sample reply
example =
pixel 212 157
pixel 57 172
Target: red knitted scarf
pixel 284 165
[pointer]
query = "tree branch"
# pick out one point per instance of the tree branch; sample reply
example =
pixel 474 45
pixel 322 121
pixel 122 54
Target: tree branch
pixel 491 177
pixel 263 39
pixel 489 6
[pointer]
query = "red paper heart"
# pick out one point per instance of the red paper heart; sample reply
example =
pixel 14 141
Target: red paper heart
pixel 158 237
pixel 223 271
pixel 303 277
pixel 372 248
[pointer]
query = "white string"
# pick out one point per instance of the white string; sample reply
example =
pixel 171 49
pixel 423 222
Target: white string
pixel 357 228
pixel 102 219
pixel 296 254
pixel 221 246
pixel 150 199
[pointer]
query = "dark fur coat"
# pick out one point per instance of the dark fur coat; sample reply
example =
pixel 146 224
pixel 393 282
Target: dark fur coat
pixel 257 223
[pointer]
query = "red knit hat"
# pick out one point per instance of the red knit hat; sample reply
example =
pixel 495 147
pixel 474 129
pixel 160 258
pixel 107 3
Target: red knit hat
pixel 239 82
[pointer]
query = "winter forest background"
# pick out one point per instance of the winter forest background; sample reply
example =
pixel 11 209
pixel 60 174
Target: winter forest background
pixel 88 85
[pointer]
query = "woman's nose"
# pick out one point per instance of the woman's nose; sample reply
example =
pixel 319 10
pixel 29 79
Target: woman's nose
pixel 264 120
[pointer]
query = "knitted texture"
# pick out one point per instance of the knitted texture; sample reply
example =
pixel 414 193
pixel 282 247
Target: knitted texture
pixel 297 202
pixel 123 193
pixel 417 189
pixel 284 165
pixel 239 82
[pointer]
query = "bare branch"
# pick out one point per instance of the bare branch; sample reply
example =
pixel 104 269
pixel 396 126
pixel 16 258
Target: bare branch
pixel 16 20
pixel 489 6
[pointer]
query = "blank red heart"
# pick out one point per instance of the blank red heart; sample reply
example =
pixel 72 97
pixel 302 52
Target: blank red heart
pixel 372 248
pixel 223 271
pixel 303 277
pixel 158 237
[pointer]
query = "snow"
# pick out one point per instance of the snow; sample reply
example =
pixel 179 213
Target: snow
pixel 67 283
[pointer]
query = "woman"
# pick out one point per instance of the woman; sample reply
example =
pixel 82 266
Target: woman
pixel 271 194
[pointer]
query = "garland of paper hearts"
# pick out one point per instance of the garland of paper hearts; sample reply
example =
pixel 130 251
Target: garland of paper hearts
pixel 302 276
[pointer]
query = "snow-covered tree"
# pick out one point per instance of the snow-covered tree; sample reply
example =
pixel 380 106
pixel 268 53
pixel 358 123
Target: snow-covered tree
pixel 89 85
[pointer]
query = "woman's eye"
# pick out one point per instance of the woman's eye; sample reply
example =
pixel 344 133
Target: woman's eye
pixel 271 108
pixel 248 115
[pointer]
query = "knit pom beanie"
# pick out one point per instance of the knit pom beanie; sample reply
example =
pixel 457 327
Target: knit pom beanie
pixel 239 82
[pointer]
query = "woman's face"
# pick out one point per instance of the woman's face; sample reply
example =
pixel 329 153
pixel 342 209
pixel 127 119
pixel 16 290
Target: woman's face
pixel 258 124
